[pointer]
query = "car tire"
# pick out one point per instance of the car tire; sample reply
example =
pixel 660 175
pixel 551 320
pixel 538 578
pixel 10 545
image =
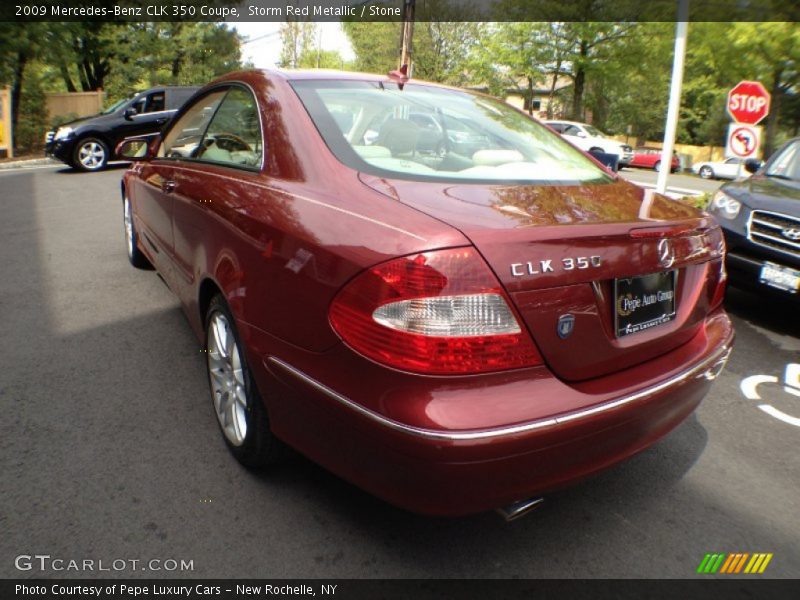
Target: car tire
pixel 596 149
pixel 706 172
pixel 657 166
pixel 90 154
pixel 241 413
pixel 135 255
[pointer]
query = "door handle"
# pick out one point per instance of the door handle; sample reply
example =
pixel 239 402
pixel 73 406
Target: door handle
pixel 168 187
pixel 161 120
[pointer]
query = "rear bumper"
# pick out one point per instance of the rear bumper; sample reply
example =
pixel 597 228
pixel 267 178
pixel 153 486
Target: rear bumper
pixel 449 470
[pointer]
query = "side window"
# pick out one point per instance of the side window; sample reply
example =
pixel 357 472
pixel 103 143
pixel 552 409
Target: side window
pixel 139 105
pixel 184 137
pixel 787 164
pixel 155 102
pixel 234 135
pixel 571 130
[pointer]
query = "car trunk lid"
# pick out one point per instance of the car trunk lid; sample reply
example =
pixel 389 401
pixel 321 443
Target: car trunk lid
pixel 559 251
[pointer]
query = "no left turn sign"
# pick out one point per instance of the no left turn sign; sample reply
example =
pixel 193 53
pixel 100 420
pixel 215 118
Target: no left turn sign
pixel 743 140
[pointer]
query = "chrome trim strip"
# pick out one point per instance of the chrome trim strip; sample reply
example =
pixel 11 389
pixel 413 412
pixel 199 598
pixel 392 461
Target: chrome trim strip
pixel 155 112
pixel 753 218
pixel 769 224
pixel 776 239
pixel 714 363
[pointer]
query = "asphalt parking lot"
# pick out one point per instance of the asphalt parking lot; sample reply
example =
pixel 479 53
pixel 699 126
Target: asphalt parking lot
pixel 109 448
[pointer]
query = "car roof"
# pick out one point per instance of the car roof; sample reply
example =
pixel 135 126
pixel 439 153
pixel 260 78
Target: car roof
pixel 565 122
pixel 332 74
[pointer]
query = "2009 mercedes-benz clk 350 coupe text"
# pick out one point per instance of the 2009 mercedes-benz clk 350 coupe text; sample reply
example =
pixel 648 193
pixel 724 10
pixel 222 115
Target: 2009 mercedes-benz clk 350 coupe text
pixel 454 317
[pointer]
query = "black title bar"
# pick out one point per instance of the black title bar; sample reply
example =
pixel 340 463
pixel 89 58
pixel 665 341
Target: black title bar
pixel 418 589
pixel 391 10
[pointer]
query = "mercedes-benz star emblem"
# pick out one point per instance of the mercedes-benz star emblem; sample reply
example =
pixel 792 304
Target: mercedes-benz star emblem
pixel 666 254
pixel 792 233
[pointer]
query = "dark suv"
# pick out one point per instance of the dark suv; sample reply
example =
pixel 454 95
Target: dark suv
pixel 88 143
pixel 760 217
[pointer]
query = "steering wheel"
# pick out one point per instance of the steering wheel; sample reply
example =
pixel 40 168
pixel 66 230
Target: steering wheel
pixel 229 142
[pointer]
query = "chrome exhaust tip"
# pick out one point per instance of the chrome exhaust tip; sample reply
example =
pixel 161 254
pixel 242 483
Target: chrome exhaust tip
pixel 515 510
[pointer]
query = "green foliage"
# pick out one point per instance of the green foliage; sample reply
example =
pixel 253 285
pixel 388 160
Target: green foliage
pixel 442 44
pixel 32 120
pixel 700 202
pixel 376 45
pixel 297 41
pixel 119 58
pixel 301 48
pixel 61 119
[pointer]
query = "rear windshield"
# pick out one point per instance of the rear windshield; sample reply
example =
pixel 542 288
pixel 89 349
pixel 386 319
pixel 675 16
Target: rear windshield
pixel 425 133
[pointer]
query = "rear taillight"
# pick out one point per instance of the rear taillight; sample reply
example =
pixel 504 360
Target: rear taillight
pixel 440 312
pixel 718 275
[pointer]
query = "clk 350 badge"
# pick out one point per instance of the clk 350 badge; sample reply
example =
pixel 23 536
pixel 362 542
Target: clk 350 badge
pixel 546 266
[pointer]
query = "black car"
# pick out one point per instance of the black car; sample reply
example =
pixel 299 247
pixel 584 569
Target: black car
pixel 760 217
pixel 88 143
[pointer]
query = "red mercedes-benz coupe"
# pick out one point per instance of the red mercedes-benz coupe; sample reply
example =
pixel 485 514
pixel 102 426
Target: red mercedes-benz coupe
pixel 422 289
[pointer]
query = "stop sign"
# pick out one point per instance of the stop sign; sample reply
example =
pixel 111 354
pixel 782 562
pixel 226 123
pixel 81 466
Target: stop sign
pixel 748 102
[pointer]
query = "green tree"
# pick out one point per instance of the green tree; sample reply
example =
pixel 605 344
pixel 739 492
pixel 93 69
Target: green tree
pixel 376 45
pixel 297 41
pixel 116 57
pixel 773 53
pixel 443 42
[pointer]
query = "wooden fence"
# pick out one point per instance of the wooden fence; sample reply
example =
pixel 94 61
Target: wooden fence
pixel 79 104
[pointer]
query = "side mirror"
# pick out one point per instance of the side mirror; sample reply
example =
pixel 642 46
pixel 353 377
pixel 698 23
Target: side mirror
pixel 136 148
pixel 130 113
pixel 751 165
pixel 581 134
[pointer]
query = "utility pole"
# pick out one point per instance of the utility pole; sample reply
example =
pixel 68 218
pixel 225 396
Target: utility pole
pixel 671 127
pixel 408 34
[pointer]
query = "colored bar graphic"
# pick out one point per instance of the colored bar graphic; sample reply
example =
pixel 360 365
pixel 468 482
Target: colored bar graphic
pixel 765 563
pixel 716 565
pixel 754 563
pixel 727 565
pixel 734 563
pixel 739 566
pixel 705 561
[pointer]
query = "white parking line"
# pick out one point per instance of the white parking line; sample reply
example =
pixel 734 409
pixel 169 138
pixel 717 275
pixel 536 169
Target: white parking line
pixel 749 387
pixel 32 168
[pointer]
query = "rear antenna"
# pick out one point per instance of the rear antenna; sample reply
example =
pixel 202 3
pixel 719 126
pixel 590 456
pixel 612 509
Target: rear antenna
pixel 400 76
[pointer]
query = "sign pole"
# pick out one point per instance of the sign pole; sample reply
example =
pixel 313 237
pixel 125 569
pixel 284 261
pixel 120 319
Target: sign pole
pixel 681 28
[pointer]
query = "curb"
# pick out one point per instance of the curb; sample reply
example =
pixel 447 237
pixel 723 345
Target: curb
pixel 33 162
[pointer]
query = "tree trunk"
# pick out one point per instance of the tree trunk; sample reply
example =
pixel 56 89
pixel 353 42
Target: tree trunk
pixel 16 89
pixel 772 119
pixel 82 76
pixel 62 67
pixel 100 71
pixel 529 92
pixel 579 83
pixel 551 97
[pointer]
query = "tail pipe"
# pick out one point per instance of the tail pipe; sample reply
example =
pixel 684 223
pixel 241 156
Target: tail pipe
pixel 519 509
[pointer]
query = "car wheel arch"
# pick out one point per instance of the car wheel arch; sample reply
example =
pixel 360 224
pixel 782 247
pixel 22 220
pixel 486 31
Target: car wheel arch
pixel 91 136
pixel 206 291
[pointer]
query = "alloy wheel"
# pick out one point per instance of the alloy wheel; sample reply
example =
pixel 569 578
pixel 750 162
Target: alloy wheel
pixel 92 155
pixel 128 219
pixel 227 379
